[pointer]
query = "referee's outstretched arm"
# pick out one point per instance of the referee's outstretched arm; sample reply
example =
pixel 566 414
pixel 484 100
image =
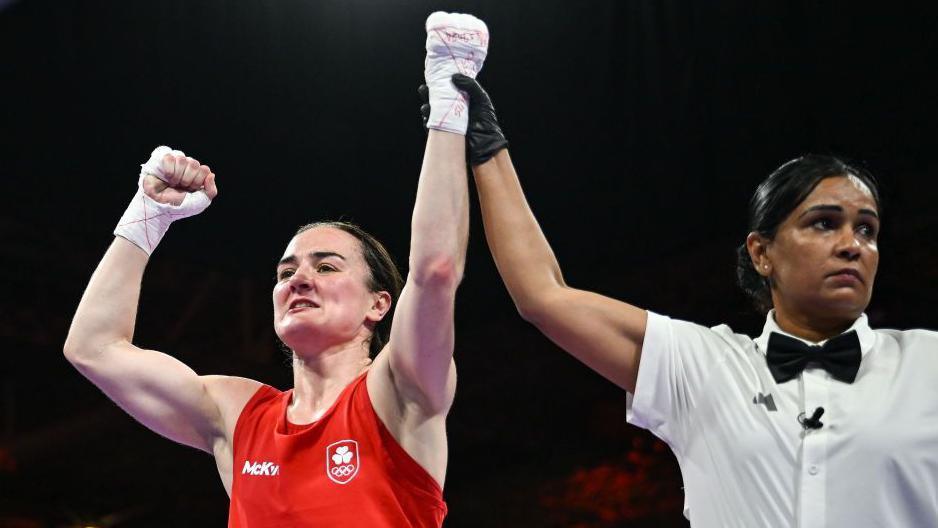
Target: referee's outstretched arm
pixel 603 333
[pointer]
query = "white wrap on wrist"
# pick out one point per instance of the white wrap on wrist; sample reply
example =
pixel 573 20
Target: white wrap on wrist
pixel 145 221
pixel 456 43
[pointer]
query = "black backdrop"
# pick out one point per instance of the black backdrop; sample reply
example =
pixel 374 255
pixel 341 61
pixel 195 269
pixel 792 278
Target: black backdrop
pixel 639 129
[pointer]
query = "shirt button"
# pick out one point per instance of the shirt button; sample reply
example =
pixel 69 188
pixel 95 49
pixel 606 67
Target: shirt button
pixel 813 470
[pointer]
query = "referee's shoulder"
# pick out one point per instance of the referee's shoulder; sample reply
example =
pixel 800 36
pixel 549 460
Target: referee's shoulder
pixel 913 338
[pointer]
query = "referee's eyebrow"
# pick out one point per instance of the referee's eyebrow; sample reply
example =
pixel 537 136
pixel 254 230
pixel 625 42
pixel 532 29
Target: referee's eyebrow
pixel 837 209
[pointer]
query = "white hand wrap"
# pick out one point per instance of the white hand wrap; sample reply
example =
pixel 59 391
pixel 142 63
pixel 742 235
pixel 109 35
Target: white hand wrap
pixel 145 221
pixel 456 43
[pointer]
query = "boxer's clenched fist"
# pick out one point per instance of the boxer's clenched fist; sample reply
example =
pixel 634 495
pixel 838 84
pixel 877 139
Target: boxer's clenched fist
pixel 169 175
pixel 171 186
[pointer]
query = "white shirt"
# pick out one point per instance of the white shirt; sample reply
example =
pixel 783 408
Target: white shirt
pixel 745 459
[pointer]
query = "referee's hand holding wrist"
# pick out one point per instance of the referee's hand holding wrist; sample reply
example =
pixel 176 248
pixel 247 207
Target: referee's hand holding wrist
pixel 484 136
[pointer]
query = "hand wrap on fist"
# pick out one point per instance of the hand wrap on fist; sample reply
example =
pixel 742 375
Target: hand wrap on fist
pixel 456 43
pixel 171 186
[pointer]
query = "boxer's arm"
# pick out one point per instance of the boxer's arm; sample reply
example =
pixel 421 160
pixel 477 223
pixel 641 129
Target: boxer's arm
pixel 156 389
pixel 414 377
pixel 420 348
pixel 416 391
pixel 419 354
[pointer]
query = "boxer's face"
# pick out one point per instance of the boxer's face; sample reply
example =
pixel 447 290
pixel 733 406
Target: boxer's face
pixel 824 257
pixel 322 298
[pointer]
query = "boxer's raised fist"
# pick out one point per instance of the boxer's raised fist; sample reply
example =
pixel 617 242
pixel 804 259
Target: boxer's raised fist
pixel 169 175
pixel 171 186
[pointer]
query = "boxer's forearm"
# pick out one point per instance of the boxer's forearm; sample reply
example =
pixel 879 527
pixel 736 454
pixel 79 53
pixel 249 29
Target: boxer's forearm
pixel 108 308
pixel 440 224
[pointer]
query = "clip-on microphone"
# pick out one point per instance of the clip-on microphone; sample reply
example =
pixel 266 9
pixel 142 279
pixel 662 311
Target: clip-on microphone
pixel 814 422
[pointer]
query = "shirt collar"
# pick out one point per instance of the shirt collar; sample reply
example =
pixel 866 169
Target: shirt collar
pixel 861 325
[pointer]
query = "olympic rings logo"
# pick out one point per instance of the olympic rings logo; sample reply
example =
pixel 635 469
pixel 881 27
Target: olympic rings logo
pixel 342 471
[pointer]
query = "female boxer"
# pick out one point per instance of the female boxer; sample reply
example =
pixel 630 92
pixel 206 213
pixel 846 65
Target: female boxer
pixel 360 439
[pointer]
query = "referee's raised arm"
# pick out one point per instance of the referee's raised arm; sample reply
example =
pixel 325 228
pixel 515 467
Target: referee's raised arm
pixel 603 333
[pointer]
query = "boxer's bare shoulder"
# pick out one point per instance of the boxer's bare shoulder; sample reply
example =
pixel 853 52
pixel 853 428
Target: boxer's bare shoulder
pixel 230 394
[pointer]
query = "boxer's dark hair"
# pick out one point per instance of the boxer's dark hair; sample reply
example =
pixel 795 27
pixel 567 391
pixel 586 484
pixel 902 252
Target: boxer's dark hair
pixel 776 197
pixel 384 275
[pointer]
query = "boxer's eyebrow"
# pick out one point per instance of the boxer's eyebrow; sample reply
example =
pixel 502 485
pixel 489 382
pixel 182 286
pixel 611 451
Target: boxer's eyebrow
pixel 319 255
pixel 315 255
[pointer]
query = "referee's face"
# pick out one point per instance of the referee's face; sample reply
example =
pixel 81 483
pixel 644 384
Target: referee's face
pixel 824 256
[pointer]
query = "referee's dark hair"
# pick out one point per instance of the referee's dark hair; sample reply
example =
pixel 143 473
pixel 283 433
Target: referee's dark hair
pixel 384 275
pixel 775 198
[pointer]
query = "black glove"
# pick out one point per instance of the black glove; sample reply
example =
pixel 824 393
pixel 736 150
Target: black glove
pixel 485 137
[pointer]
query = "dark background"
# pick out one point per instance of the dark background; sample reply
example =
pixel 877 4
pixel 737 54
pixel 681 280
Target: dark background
pixel 639 129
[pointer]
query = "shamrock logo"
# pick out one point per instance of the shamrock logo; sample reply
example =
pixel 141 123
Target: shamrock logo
pixel 342 455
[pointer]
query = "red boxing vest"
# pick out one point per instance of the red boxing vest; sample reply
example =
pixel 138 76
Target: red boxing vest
pixel 344 470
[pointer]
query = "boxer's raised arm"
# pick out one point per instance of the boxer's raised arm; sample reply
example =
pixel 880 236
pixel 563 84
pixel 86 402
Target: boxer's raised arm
pixel 420 348
pixel 156 389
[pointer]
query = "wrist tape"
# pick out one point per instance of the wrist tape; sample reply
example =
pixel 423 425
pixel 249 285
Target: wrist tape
pixel 146 221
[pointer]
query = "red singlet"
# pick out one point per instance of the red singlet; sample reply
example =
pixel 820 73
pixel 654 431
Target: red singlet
pixel 344 470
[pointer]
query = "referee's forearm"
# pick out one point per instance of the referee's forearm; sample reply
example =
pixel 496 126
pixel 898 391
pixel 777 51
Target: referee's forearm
pixel 522 253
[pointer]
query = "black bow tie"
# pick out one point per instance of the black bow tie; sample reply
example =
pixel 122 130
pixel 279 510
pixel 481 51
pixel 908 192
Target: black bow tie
pixel 788 356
